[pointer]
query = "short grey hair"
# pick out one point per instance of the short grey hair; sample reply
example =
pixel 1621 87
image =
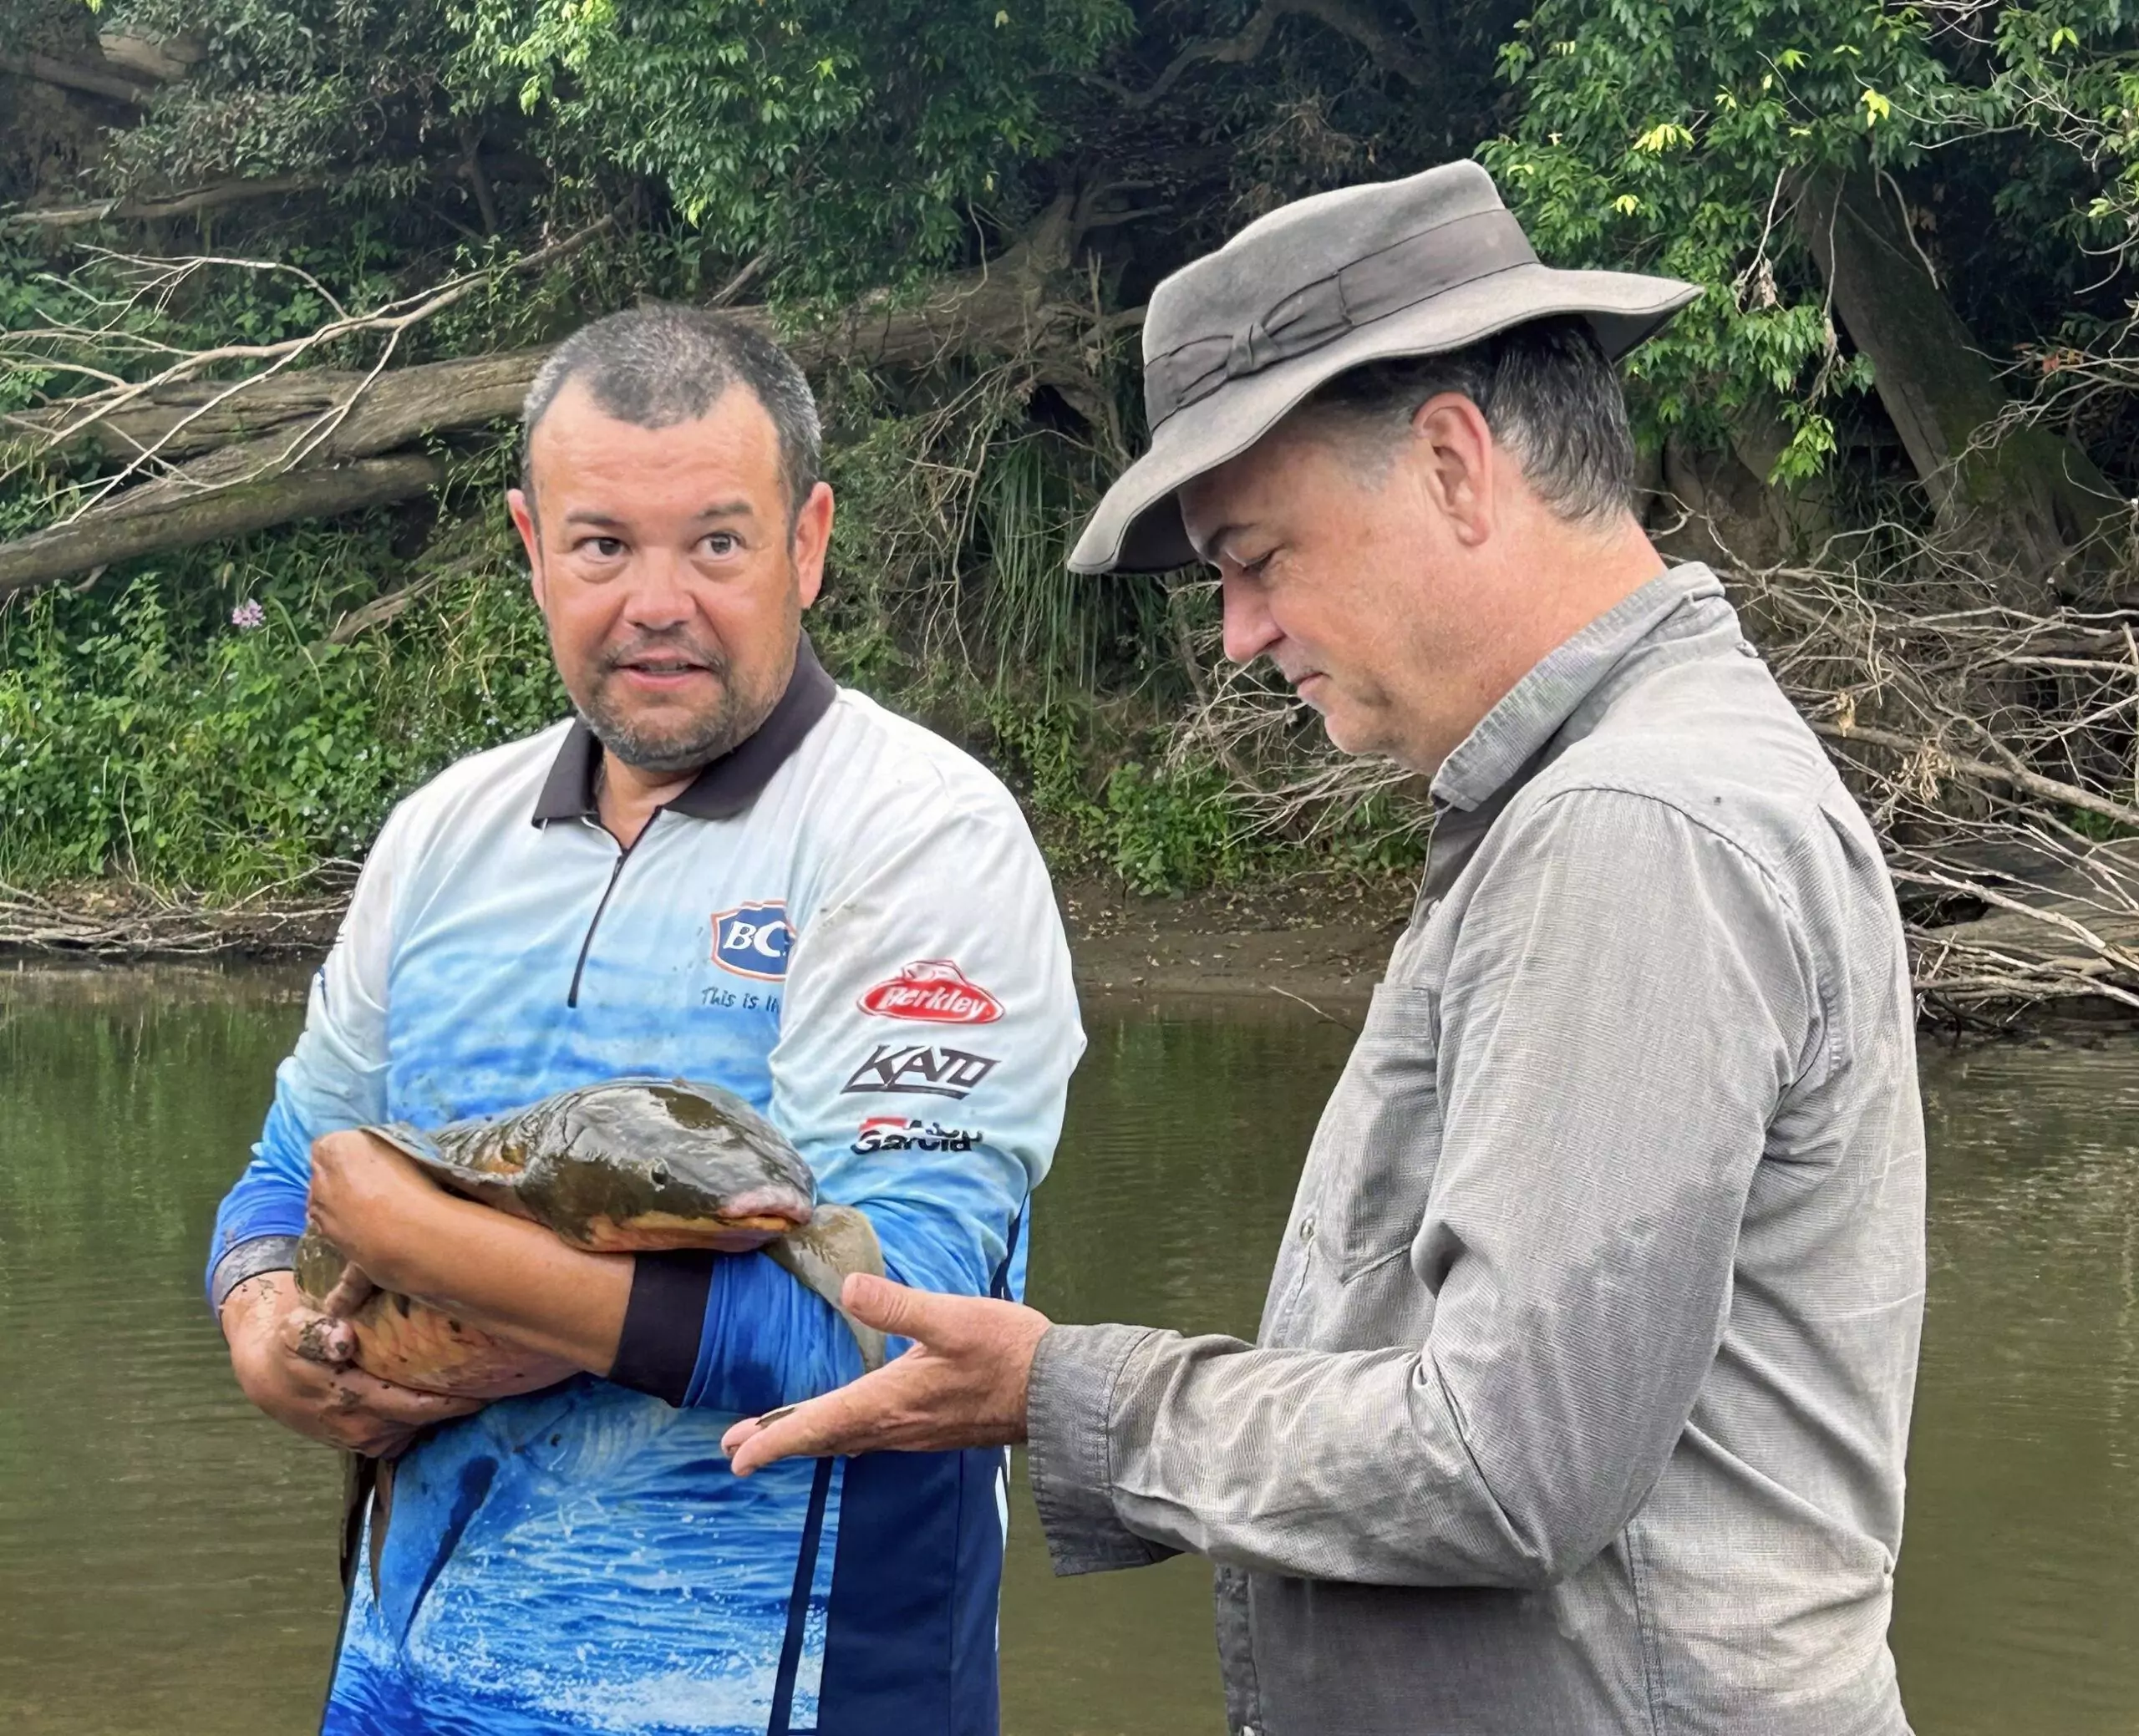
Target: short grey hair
pixel 659 364
pixel 1546 389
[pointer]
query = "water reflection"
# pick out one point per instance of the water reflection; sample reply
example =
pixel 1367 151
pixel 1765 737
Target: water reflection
pixel 165 1556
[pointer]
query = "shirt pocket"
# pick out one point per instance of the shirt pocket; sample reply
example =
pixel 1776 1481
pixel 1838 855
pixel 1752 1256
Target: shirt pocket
pixel 1379 1141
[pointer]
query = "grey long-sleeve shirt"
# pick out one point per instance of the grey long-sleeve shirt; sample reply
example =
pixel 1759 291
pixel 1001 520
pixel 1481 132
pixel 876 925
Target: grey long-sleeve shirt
pixel 1583 1387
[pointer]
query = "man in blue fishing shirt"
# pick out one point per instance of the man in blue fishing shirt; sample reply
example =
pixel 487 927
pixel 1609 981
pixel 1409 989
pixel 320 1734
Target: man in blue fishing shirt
pixel 725 868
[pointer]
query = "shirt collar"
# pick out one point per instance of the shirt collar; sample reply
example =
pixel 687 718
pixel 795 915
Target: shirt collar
pixel 1531 712
pixel 723 786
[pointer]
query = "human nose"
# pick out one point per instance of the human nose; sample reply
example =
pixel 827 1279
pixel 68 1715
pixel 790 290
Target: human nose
pixel 659 596
pixel 1249 630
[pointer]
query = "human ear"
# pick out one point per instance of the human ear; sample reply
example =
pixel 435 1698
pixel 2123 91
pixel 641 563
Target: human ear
pixel 812 537
pixel 1457 457
pixel 523 510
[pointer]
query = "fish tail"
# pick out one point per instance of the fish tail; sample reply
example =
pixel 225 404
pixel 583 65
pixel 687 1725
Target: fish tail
pixel 838 1240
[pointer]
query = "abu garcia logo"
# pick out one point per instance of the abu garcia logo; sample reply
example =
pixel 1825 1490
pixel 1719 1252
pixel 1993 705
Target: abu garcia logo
pixel 753 940
pixel 896 1132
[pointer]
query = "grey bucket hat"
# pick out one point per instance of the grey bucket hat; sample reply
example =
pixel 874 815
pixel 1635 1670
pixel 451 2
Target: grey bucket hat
pixel 1395 268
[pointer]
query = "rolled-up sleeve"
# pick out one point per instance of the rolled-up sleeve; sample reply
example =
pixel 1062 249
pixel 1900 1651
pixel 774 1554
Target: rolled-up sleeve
pixel 1629 996
pixel 334 1078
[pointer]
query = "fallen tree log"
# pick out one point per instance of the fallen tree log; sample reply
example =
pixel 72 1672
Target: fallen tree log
pixel 176 205
pixel 161 59
pixel 114 85
pixel 167 515
pixel 269 440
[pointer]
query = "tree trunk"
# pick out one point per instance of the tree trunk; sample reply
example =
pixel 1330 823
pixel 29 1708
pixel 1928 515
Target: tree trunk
pixel 1718 507
pixel 113 83
pixel 164 515
pixel 2028 502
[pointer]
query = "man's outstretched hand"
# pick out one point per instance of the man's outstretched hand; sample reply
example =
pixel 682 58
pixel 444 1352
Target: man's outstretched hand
pixel 961 1384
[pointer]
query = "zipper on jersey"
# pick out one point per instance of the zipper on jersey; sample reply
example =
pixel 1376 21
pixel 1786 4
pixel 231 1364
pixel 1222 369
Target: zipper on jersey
pixel 615 873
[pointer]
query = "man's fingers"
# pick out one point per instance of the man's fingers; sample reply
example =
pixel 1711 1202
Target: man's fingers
pixel 350 1293
pixel 891 1307
pixel 847 1421
pixel 356 1390
pixel 319 1338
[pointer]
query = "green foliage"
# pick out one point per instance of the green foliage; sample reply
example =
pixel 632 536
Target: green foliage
pixel 146 734
pixel 849 148
pixel 1170 829
pixel 1174 831
pixel 850 138
pixel 2069 70
pixel 1675 137
pixel 350 87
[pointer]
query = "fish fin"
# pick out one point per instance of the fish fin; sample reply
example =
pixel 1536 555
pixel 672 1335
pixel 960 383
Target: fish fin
pixel 359 1474
pixel 382 1514
pixel 838 1240
pixel 318 1265
pixel 443 1162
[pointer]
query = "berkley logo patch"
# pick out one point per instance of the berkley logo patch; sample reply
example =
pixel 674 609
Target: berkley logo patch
pixel 752 940
pixel 935 991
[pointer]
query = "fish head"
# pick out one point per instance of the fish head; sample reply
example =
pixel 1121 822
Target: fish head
pixel 638 1165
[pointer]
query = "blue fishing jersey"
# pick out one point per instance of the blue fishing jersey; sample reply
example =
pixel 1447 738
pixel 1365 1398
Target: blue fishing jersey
pixel 846 921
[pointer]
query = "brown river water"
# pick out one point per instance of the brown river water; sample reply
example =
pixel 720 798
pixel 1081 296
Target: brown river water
pixel 165 1555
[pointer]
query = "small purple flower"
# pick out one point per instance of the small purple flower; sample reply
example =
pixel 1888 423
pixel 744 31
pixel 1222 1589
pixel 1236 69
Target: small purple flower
pixel 248 615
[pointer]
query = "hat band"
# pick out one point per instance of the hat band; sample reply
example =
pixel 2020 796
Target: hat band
pixel 1400 275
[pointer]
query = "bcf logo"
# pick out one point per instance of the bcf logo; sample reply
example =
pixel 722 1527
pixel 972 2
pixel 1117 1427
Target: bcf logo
pixel 752 940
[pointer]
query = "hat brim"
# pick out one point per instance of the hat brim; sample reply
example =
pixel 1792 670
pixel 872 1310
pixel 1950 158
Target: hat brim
pixel 1137 526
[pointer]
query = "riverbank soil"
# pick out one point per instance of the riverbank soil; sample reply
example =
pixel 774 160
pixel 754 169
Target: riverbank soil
pixel 1318 939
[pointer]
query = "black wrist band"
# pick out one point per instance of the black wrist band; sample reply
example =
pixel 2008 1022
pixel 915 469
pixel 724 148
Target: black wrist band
pixel 657 1351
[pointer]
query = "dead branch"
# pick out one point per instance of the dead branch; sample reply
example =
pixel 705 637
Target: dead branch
pixel 285 422
pixel 1939 761
pixel 136 923
pixel 159 279
pixel 175 205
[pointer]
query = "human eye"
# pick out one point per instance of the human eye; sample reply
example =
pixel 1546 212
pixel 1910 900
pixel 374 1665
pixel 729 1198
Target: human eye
pixel 721 544
pixel 601 548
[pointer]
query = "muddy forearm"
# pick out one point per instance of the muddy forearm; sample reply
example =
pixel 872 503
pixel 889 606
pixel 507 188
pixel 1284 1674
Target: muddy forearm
pixel 510 1277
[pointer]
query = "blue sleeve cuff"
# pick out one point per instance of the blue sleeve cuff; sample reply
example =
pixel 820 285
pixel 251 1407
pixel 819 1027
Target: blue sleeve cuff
pixel 252 1214
pixel 766 1341
pixel 248 1260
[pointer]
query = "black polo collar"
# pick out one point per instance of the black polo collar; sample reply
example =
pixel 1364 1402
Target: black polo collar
pixel 724 787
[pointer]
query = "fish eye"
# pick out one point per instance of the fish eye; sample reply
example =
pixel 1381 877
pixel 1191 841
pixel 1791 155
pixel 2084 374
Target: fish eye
pixel 659 1175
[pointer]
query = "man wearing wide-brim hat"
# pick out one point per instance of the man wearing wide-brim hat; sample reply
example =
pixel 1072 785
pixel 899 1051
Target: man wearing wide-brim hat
pixel 1583 1387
